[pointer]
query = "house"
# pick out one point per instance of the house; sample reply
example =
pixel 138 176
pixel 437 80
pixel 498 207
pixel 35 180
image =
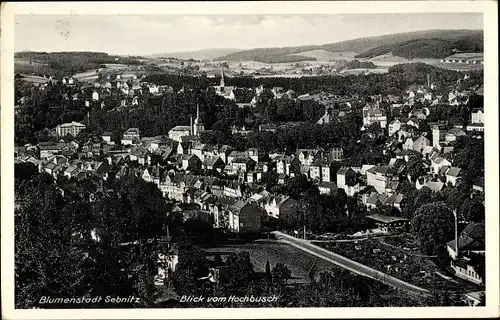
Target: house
pixel 321 170
pixel 224 152
pixel 213 163
pixel 437 162
pixel 477 116
pixel 268 127
pixel 279 205
pixel 73 128
pixel 470 240
pixel 106 136
pixel 425 181
pixel 408 145
pixel 243 164
pixel 287 165
pixel 49 149
pixel 71 171
pixel 236 154
pixel 254 154
pixel 420 143
pixel 244 217
pixel 232 189
pixel 453 175
pixel 373 114
pixel 380 176
pixel 131 136
pixel 176 133
pixel 438 134
pixel 453 134
pixel 478 186
pixel 328 117
pixel 307 156
pixel 326 187
pixel 467 253
pixel 191 162
pixel 388 223
pixel 345 177
pixel 281 178
pixel 394 126
pixel 335 154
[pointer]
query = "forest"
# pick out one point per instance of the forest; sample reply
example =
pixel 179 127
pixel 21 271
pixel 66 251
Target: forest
pixel 64 64
pixel 426 48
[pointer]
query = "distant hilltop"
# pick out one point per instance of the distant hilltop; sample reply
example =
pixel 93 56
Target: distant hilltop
pixel 204 54
pixel 436 44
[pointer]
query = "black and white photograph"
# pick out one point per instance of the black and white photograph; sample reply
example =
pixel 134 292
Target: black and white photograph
pixel 254 158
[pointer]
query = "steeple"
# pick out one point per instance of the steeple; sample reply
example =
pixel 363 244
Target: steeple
pixel 197 120
pixel 222 77
pixel 198 126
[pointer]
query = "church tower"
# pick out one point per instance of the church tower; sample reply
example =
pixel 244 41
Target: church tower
pixel 198 125
pixel 222 79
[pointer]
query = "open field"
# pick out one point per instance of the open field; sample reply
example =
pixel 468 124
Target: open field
pixel 323 55
pixel 299 262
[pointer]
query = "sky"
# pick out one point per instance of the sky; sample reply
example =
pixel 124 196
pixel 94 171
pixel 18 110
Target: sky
pixel 150 34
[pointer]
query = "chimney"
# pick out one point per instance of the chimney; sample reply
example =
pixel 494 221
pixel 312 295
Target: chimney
pixel 428 81
pixel 191 124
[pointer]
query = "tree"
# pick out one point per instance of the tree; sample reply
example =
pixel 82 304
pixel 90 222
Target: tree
pixel 268 270
pixel 281 273
pixel 415 167
pixel 472 210
pixel 433 225
pixel 49 259
pixel 240 270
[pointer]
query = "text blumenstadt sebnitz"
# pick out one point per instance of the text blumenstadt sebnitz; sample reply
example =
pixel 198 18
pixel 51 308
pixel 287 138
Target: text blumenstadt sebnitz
pixel 84 300
pixel 132 299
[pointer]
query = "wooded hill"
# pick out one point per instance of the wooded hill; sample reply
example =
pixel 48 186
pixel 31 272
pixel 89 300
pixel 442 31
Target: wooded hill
pixel 424 44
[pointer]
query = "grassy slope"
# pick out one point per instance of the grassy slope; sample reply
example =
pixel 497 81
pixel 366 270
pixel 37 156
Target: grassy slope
pixel 357 45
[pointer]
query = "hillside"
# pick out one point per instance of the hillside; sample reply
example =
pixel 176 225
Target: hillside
pixel 61 64
pixel 323 55
pixel 204 54
pixel 429 48
pixel 385 43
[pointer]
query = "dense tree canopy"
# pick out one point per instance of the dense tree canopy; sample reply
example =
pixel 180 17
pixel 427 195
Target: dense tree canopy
pixel 433 226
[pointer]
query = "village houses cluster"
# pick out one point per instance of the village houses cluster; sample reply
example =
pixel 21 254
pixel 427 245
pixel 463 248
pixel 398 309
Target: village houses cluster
pixel 222 185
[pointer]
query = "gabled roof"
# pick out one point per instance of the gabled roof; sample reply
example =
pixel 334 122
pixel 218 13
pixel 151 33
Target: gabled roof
pixel 471 238
pixel 453 171
pixel 343 170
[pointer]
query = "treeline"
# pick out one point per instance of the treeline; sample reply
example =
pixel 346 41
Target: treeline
pixel 356 64
pixel 395 82
pixel 61 64
pixel 427 48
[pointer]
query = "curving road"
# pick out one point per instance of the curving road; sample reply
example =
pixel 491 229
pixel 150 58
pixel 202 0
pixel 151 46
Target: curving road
pixel 351 265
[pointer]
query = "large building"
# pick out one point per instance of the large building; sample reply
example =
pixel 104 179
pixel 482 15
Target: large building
pixel 373 114
pixel 72 128
pixel 465 58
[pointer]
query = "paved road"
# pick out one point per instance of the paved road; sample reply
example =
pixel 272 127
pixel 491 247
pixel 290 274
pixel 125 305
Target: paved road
pixel 350 264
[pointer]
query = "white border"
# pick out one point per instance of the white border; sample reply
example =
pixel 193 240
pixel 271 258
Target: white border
pixel 488 8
